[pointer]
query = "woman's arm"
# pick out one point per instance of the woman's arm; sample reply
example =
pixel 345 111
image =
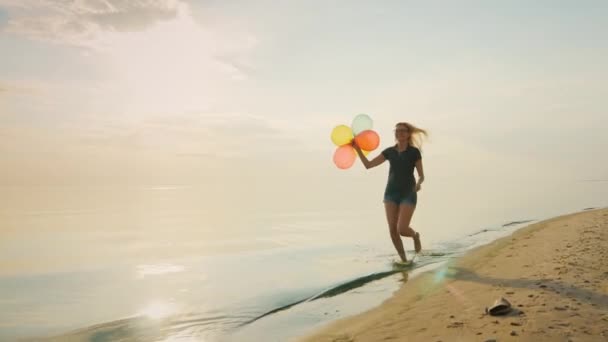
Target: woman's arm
pixel 420 171
pixel 369 164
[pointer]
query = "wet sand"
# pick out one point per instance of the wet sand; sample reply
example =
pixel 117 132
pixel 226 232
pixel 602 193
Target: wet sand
pixel 554 273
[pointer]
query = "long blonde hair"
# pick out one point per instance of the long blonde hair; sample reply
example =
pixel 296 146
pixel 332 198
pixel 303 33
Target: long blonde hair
pixel 416 134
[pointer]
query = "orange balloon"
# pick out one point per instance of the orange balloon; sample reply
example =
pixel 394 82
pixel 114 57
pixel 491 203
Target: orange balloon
pixel 345 156
pixel 368 140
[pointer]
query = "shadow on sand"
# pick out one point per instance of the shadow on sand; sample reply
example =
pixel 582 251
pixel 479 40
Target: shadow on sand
pixel 598 300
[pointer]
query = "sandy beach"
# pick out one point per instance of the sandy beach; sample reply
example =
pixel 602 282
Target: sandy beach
pixel 554 273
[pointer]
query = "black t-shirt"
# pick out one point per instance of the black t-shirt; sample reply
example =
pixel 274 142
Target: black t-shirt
pixel 401 172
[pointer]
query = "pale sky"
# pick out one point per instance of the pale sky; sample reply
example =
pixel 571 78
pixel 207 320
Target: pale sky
pixel 181 91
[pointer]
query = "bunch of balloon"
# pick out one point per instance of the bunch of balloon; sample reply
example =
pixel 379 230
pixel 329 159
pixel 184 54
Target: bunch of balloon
pixel 361 132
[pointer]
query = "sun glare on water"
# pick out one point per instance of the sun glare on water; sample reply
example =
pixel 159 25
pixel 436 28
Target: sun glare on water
pixel 158 310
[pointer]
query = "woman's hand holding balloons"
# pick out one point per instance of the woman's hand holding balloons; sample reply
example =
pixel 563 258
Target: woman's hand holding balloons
pixel 359 136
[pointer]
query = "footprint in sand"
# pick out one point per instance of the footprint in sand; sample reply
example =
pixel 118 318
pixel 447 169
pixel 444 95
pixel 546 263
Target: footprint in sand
pixel 455 325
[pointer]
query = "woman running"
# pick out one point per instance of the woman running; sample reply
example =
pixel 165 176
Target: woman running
pixel 400 195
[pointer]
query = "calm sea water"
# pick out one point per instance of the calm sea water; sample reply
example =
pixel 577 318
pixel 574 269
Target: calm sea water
pixel 159 263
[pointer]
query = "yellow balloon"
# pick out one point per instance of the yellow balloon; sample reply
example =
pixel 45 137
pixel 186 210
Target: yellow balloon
pixel 342 135
pixel 365 153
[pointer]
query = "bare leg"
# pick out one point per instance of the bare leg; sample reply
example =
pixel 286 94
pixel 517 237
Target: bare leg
pixel 406 212
pixel 392 216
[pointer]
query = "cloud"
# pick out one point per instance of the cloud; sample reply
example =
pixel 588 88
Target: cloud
pixel 81 22
pixel 155 56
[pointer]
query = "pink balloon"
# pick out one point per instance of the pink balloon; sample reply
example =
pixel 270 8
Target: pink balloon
pixel 345 156
pixel 368 140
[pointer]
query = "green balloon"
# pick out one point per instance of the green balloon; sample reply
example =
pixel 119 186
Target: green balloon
pixel 361 122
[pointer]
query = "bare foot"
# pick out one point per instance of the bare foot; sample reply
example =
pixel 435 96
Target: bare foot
pixel 403 263
pixel 417 243
pixel 403 258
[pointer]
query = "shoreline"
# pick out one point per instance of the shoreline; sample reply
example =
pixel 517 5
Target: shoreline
pixel 550 271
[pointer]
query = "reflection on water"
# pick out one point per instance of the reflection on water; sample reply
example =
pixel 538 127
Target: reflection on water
pixel 159 309
pixel 240 301
pixel 158 269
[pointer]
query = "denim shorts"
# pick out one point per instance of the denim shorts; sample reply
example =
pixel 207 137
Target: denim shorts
pixel 410 198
